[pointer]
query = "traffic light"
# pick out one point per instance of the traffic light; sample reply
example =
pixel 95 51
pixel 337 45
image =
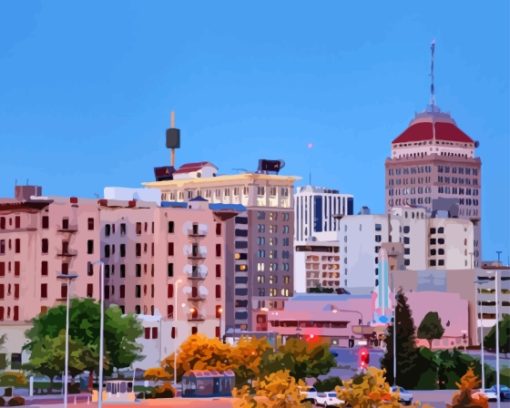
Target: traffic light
pixel 364 358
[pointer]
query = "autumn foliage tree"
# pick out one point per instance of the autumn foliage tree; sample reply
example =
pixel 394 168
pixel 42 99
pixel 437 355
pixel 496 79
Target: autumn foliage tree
pixel 368 390
pixel 464 397
pixel 276 390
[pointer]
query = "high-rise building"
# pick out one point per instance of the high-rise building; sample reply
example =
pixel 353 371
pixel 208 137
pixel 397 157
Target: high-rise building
pixel 316 210
pixel 260 271
pixel 433 165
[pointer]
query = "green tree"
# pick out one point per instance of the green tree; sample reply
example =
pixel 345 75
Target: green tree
pixel 504 336
pixel 407 352
pixel 430 328
pixel 120 334
pixel 48 355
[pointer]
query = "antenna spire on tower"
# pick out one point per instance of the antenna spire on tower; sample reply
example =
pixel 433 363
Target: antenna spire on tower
pixel 432 89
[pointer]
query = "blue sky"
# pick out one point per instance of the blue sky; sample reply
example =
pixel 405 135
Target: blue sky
pixel 86 89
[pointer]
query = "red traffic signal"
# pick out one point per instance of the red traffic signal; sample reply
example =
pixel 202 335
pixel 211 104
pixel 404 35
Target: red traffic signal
pixel 364 357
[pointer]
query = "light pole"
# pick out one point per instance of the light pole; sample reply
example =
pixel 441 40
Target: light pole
pixel 482 353
pixel 177 282
pixel 496 287
pixel 101 334
pixel 69 278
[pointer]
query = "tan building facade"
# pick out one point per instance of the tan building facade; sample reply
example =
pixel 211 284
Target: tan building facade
pixel 263 241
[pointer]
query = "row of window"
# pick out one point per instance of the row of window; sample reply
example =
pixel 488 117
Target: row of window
pixel 272 216
pixel 6 244
pixel 273 279
pixel 272 254
pixel 406 181
pixel 409 201
pixel 261 266
pixel 410 170
pixel 12 290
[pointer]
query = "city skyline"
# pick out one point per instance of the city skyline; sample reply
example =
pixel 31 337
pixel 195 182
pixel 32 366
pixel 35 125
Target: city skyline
pixel 266 90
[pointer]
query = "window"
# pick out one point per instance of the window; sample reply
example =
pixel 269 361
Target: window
pixel 170 290
pixel 122 250
pixel 218 228
pixel 90 290
pixel 90 246
pixel 154 332
pixel 218 249
pixel 45 222
pixel 171 227
pixel 17 268
pixel 194 330
pixel 218 291
pixel 147 332
pixel 2 291
pixel 170 311
pixel 218 311
pixel 138 270
pixel 218 271
pixel 138 228
pixel 440 230
pixel 138 249
pixel 122 289
pixel 107 230
pixel 241 220
pixel 378 227
pixel 44 245
pixel 122 271
pixel 170 270
pixel 44 268
pixel 90 223
pixel 122 229
pixel 170 249
pixel 107 251
pixel 407 229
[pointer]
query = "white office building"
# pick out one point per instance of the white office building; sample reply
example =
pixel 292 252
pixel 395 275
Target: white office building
pixel 316 208
pixel 428 243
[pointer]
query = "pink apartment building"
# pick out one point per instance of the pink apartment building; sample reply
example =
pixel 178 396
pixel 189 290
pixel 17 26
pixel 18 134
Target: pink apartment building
pixel 41 238
pixel 165 259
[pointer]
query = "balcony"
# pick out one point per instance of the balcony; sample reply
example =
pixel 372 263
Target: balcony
pixel 196 318
pixel 66 253
pixel 196 233
pixel 197 256
pixel 68 228
pixel 196 276
pixel 196 298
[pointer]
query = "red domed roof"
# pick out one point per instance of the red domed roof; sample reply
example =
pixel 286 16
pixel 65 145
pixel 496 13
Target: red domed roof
pixel 423 125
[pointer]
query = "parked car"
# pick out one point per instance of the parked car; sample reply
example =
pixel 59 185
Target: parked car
pixel 328 399
pixel 487 393
pixel 504 392
pixel 308 394
pixel 405 397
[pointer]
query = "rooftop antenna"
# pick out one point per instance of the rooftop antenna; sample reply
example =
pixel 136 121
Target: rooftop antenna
pixel 432 89
pixel 173 138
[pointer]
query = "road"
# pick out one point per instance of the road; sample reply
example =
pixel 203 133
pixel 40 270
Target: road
pixel 434 398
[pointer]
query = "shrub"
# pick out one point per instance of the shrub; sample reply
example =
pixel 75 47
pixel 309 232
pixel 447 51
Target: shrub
pixel 328 384
pixel 73 388
pixel 12 379
pixel 16 401
pixel 163 391
pixel 2 402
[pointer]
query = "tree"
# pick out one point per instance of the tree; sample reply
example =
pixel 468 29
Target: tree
pixel 246 358
pixel 276 390
pixel 407 352
pixel 430 328
pixel 504 336
pixel 368 390
pixel 48 356
pixel 199 352
pixel 302 358
pixel 464 397
pixel 120 334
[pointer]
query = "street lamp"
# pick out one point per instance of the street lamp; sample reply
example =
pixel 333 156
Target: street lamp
pixel 177 282
pixel 101 333
pixel 68 278
pixel 482 352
